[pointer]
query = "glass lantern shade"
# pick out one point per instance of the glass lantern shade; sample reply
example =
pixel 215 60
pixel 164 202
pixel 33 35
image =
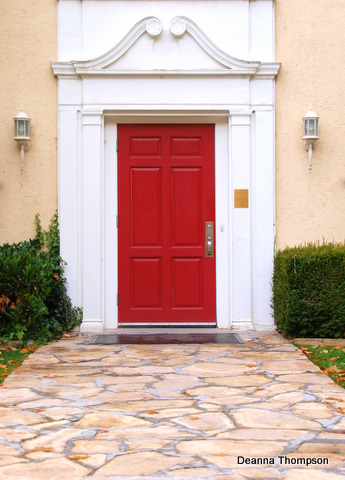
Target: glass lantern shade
pixel 311 126
pixel 21 127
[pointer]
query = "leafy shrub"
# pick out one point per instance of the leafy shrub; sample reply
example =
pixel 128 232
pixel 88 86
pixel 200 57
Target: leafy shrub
pixel 309 291
pixel 34 304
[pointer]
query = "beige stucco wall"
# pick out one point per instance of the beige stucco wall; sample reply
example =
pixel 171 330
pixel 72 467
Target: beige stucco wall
pixel 28 43
pixel 310 43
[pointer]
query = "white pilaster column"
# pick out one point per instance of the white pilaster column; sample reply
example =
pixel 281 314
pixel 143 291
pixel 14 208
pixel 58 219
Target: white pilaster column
pixel 240 220
pixel 222 224
pixel 68 202
pixel 263 218
pixel 92 247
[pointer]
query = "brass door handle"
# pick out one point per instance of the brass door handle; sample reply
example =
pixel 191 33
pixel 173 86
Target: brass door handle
pixel 209 246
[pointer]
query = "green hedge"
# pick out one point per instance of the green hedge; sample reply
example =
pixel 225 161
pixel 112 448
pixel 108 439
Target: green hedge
pixel 309 291
pixel 34 304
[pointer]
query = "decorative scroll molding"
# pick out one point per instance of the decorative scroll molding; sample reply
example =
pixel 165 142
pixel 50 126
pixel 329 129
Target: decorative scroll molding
pixel 150 25
pixel 179 26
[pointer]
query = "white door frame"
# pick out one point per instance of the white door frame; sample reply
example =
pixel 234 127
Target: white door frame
pixel 222 201
pixel 244 236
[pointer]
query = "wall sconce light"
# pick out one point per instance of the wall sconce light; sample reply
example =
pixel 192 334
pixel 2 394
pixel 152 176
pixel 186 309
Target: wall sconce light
pixel 22 134
pixel 311 132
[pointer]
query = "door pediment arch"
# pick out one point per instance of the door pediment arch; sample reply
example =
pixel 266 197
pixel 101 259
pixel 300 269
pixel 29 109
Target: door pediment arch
pixel 150 49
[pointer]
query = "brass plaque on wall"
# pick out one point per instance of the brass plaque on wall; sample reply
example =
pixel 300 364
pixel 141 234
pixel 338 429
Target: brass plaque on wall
pixel 241 198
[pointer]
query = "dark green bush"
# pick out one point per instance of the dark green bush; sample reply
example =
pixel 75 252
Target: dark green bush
pixel 34 304
pixel 309 291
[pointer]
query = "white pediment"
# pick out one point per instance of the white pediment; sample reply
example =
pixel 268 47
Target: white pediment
pixel 148 49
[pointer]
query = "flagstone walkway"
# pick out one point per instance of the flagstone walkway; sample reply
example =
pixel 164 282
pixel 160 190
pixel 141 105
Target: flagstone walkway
pixel 75 410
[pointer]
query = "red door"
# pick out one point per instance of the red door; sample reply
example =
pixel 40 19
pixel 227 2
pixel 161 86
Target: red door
pixel 166 195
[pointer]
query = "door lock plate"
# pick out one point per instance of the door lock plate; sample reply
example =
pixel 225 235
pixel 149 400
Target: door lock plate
pixel 209 239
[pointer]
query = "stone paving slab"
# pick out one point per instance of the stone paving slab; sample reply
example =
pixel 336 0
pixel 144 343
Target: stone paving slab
pixel 257 410
pixel 317 342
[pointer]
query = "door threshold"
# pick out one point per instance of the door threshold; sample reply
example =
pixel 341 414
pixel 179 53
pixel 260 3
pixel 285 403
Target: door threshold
pixel 166 339
pixel 163 330
pixel 167 325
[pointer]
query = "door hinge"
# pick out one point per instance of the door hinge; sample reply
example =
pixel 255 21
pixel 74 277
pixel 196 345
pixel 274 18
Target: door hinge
pixel 117 221
pixel 117 299
pixel 117 145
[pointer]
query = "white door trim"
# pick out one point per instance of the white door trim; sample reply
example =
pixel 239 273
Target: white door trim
pixel 223 205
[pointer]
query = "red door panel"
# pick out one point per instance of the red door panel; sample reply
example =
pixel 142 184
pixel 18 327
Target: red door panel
pixel 166 193
pixel 146 283
pixel 187 271
pixel 146 207
pixel 186 221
